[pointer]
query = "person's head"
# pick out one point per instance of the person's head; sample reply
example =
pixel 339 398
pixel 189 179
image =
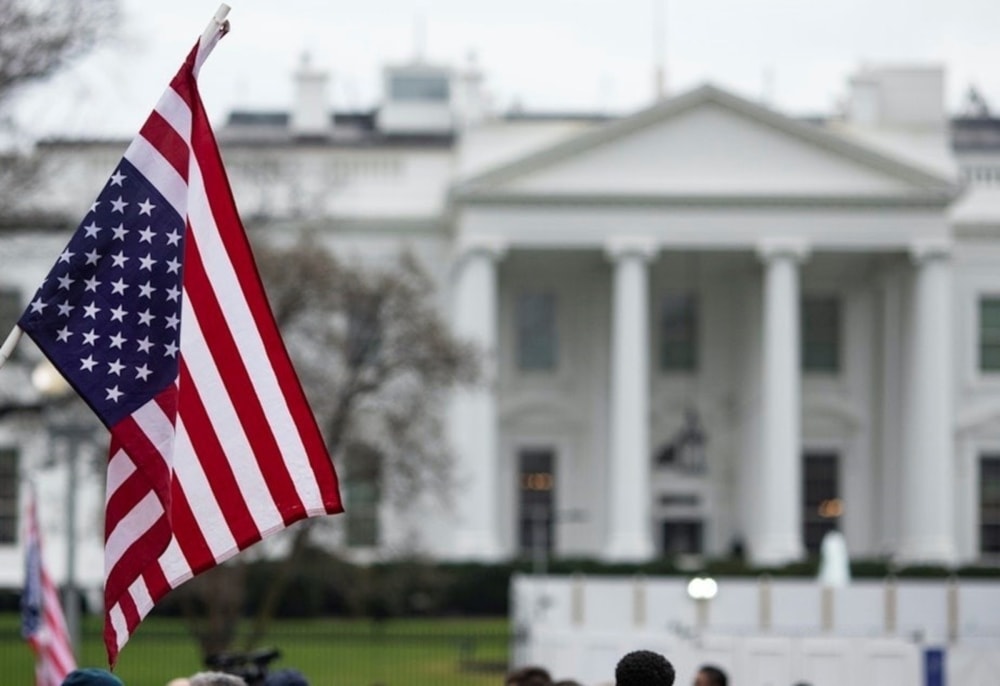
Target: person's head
pixel 644 668
pixel 529 676
pixel 91 677
pixel 286 677
pixel 710 675
pixel 216 679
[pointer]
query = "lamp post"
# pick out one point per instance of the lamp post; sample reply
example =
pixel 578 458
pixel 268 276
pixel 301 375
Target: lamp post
pixel 54 387
pixel 702 590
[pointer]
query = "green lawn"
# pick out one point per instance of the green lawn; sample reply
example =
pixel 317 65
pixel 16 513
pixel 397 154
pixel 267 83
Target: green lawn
pixel 332 652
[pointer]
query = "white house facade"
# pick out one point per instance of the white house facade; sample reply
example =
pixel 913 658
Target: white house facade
pixel 711 328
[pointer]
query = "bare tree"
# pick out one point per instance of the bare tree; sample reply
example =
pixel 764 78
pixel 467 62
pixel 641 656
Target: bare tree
pixel 39 38
pixel 377 361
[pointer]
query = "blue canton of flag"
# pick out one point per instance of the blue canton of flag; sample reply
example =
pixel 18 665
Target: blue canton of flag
pixel 108 314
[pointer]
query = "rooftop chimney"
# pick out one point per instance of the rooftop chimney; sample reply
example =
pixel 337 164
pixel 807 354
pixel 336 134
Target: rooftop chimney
pixel 311 114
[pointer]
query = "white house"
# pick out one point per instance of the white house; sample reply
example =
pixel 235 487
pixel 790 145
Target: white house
pixel 712 327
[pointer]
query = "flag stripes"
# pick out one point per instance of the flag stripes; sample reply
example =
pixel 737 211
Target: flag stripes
pixel 243 451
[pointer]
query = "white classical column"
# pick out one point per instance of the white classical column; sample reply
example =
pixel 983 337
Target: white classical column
pixel 777 538
pixel 629 534
pixel 927 474
pixel 472 419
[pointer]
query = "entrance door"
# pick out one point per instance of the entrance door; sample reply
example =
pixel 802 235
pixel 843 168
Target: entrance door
pixel 536 501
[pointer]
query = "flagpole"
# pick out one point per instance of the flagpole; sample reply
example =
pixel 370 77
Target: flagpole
pixel 8 345
pixel 218 23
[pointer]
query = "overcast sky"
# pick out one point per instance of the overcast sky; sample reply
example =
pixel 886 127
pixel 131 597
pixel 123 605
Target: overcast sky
pixel 545 54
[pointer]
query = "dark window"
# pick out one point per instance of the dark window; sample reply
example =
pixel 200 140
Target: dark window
pixel 537 342
pixel 989 504
pixel 362 495
pixel 364 332
pixel 989 334
pixel 821 334
pixel 537 488
pixel 822 505
pixel 8 494
pixel 682 537
pixel 10 309
pixel 414 88
pixel 679 333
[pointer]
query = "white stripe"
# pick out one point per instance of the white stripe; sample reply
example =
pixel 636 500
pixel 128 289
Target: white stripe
pixel 205 508
pixel 131 527
pixel 226 286
pixel 235 443
pixel 177 113
pixel 140 596
pixel 158 427
pixel 175 568
pixel 159 172
pixel 118 624
pixel 120 468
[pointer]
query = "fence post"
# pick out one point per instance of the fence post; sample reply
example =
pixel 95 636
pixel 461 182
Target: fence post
pixel 764 602
pixel 639 601
pixel 890 605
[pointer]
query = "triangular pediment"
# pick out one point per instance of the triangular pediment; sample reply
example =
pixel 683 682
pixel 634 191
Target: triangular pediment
pixel 703 145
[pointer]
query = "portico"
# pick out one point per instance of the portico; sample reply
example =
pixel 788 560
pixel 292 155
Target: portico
pixel 597 234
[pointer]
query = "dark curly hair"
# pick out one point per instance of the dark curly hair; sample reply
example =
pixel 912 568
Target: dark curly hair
pixel 644 668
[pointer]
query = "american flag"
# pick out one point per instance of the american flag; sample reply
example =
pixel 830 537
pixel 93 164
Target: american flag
pixel 155 314
pixel 42 621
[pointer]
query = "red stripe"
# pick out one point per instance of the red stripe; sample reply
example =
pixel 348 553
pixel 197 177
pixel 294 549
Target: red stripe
pixel 145 551
pixel 129 494
pixel 162 136
pixel 215 464
pixel 187 533
pixel 156 582
pixel 233 235
pixel 154 466
pixel 239 386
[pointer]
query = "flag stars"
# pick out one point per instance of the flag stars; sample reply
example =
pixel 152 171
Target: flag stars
pixel 91 284
pixel 146 318
pixel 114 394
pixel 171 349
pixel 66 255
pixel 90 337
pixel 117 340
pixel 173 294
pixel 63 334
pixel 146 235
pixel 119 260
pixel 87 363
pixel 144 344
pixel 146 290
pixel 118 287
pixel 173 266
pixel 116 368
pixel 65 308
pixel 120 232
pixel 173 238
pixel 146 208
pixel 117 178
pixel 118 205
pixel 173 321
pixel 92 257
pixel 92 229
pixel 91 311
pixel 65 282
pixel 142 373
pixel 118 314
pixel 38 306
pixel 147 263
pixel 93 205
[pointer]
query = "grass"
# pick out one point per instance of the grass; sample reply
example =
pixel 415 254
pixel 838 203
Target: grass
pixel 333 652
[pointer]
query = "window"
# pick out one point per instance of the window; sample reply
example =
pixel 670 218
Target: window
pixel 989 504
pixel 821 334
pixel 989 334
pixel 537 343
pixel 362 494
pixel 537 489
pixel 425 88
pixel 679 333
pixel 364 332
pixel 682 537
pixel 822 505
pixel 8 495
pixel 10 309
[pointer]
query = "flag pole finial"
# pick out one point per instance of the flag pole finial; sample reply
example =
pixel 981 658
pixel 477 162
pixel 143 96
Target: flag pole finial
pixel 218 23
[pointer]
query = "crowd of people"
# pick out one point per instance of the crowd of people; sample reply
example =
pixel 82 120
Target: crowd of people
pixel 637 668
